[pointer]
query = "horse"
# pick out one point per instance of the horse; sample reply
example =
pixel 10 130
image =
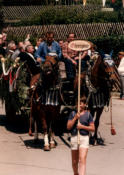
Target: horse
pixel 45 106
pixel 97 84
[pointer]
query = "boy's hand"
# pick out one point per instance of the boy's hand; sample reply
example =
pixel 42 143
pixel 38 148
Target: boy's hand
pixel 77 116
pixel 79 126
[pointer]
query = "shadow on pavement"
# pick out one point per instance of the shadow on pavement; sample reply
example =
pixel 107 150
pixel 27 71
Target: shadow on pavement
pixel 36 144
pixel 64 141
pixel 39 144
pixel 18 125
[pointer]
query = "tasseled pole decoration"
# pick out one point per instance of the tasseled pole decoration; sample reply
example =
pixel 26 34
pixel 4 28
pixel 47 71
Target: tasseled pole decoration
pixel 113 132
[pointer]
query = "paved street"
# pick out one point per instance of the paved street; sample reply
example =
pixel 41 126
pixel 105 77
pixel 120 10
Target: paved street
pixel 20 156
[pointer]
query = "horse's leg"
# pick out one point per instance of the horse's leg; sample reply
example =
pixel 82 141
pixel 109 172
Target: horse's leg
pixel 32 111
pixel 30 127
pixel 35 131
pixel 45 128
pixel 46 142
pixel 97 119
pixel 92 138
pixel 55 114
pixel 30 123
pixel 52 142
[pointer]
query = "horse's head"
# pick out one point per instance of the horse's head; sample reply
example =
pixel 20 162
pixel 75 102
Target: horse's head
pixel 50 71
pixel 111 70
pixel 104 71
pixel 50 65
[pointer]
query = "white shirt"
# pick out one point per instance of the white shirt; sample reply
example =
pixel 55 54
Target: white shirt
pixel 121 67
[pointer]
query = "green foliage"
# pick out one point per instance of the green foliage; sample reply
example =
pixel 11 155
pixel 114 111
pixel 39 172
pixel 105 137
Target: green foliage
pixel 95 2
pixel 121 15
pixel 117 5
pixel 109 43
pixel 21 38
pixel 73 15
pixel 18 98
pixel 22 99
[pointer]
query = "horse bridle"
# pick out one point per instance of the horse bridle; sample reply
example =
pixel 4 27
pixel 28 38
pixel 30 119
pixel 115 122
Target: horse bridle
pixel 52 64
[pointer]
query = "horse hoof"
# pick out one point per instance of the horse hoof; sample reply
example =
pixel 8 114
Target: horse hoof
pixel 100 141
pixel 46 148
pixel 95 143
pixel 52 145
pixel 92 140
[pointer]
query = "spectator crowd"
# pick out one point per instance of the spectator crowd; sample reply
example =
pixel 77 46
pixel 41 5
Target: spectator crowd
pixel 45 45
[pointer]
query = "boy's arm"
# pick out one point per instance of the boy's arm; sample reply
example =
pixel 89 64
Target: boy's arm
pixel 71 123
pixel 91 127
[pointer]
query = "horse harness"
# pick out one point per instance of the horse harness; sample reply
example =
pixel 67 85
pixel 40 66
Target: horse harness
pixel 53 65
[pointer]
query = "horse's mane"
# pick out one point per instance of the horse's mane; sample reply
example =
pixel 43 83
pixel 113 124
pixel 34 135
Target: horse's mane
pixel 93 74
pixel 51 59
pixel 95 66
pixel 98 73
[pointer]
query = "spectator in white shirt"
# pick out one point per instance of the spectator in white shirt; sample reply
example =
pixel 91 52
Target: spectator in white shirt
pixel 121 73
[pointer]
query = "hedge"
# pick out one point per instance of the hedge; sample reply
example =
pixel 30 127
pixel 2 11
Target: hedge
pixel 109 43
pixel 53 15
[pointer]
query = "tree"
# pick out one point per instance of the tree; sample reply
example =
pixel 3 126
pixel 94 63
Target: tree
pixel 117 5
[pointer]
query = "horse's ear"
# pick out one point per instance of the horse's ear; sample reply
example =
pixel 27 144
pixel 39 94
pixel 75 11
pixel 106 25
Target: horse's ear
pixel 111 53
pixel 102 54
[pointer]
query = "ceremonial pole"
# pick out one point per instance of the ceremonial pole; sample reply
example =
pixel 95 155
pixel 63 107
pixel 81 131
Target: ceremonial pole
pixel 79 92
pixel 79 45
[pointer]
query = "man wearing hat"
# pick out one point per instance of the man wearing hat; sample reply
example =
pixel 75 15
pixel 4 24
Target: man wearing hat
pixel 121 73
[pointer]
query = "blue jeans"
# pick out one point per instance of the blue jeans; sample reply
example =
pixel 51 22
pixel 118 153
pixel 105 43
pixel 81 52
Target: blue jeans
pixel 70 69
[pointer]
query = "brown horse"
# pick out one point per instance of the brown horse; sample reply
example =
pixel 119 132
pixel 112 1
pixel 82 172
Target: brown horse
pixel 97 85
pixel 45 106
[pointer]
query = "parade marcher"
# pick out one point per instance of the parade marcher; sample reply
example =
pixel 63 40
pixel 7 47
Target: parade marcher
pixel 10 49
pixel 48 46
pixel 85 125
pixel 121 73
pixel 33 65
pixel 71 58
pixel 17 51
pixel 38 42
pixel 61 42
